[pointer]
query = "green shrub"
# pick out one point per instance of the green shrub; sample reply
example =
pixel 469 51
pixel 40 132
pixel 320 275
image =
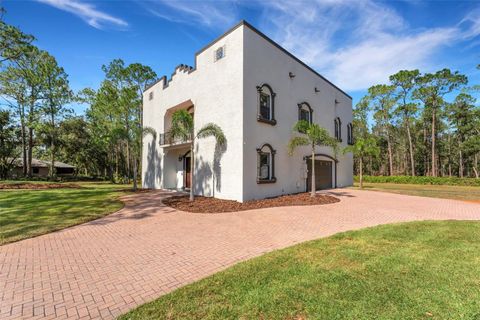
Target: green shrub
pixel 454 181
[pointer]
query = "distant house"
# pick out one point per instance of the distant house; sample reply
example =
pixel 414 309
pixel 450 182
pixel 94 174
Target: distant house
pixel 40 168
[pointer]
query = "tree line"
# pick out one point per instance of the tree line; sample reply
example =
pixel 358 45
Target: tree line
pixel 37 119
pixel 424 124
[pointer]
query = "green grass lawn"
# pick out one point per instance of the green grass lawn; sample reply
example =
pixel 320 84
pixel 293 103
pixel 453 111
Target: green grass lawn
pixel 28 213
pixel 419 270
pixel 435 191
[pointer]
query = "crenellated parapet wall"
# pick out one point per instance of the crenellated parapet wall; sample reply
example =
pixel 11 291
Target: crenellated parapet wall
pixel 181 69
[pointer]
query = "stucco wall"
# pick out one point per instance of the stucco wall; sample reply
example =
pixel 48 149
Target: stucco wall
pixel 265 63
pixel 224 92
pixel 215 88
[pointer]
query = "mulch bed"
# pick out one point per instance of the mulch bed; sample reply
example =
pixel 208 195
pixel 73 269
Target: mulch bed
pixel 38 186
pixel 213 205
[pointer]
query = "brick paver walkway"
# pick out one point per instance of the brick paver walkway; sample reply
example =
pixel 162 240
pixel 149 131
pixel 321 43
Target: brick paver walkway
pixel 104 268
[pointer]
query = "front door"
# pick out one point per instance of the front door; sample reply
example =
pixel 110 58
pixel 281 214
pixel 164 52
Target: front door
pixel 323 174
pixel 188 173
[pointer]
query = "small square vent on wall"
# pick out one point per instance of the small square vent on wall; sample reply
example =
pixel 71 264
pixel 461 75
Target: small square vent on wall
pixel 219 53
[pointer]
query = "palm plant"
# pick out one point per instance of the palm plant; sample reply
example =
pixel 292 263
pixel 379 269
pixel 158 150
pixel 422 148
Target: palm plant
pixel 312 135
pixel 183 128
pixel 363 147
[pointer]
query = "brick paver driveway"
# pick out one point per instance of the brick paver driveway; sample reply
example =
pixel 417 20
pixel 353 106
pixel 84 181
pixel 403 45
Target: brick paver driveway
pixel 106 267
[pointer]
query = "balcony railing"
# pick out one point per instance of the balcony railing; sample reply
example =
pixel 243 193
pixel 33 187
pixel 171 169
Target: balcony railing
pixel 167 139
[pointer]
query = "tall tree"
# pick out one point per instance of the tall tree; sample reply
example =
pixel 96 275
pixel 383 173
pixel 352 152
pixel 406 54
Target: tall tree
pixel 138 76
pixel 125 108
pixel 432 88
pixel 462 114
pixel 56 95
pixel 13 42
pixel 311 135
pixel 104 124
pixel 30 68
pixel 405 81
pixel 361 130
pixel 383 99
pixel 183 129
pixel 13 88
pixel 130 82
pixel 360 117
pixel 8 143
pixel 75 145
pixel 15 46
pixel 472 146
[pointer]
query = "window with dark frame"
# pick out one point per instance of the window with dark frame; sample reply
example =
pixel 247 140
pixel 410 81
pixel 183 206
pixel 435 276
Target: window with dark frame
pixel 305 112
pixel 266 104
pixel 338 129
pixel 304 115
pixel 266 164
pixel 350 134
pixel 352 140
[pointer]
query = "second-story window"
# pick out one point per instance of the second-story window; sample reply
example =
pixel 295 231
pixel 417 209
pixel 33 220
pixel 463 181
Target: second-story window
pixel 266 104
pixel 350 134
pixel 305 112
pixel 338 129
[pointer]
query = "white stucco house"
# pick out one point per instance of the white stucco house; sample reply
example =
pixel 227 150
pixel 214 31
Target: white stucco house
pixel 255 91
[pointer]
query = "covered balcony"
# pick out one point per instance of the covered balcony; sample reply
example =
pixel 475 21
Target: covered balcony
pixel 166 139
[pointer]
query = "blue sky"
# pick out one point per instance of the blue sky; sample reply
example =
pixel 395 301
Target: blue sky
pixel 354 43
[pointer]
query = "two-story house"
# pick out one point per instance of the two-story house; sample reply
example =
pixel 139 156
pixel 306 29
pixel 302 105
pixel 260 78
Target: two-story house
pixel 255 91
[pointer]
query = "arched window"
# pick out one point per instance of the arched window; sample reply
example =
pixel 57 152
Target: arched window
pixel 338 129
pixel 266 104
pixel 350 134
pixel 266 164
pixel 305 112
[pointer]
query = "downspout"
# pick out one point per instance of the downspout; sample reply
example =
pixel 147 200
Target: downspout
pixel 335 173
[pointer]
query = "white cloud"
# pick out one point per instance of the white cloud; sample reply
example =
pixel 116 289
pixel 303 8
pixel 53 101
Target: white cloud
pixel 358 43
pixel 87 12
pixel 372 61
pixel 354 43
pixel 471 24
pixel 213 14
